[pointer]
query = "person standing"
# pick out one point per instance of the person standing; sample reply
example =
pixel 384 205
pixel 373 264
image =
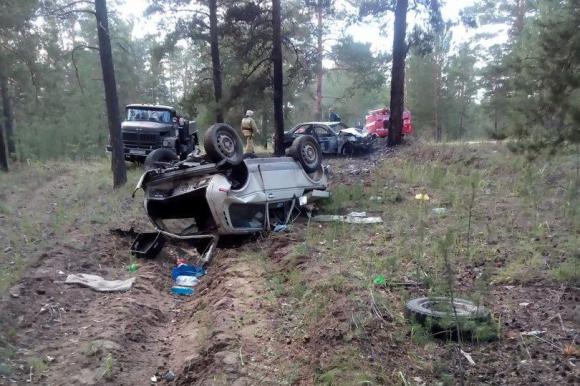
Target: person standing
pixel 249 129
pixel 333 115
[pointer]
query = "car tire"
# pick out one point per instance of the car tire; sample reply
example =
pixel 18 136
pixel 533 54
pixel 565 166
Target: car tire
pixel 306 150
pixel 347 150
pixel 160 158
pixel 426 308
pixel 223 144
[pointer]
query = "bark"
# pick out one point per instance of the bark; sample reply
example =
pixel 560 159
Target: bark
pixel 3 152
pixel 278 79
pixel 319 55
pixel 215 60
pixel 437 88
pixel 398 74
pixel 118 159
pixel 8 116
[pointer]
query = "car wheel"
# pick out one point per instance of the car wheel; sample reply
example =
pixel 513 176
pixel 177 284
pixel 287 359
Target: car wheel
pixel 160 159
pixel 440 308
pixel 347 150
pixel 307 151
pixel 222 143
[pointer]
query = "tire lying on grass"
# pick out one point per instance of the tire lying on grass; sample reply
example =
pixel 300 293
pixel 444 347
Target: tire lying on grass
pixel 437 314
pixel 306 150
pixel 160 158
pixel 223 144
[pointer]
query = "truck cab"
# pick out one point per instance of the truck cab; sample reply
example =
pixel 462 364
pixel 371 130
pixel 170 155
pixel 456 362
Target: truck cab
pixel 146 128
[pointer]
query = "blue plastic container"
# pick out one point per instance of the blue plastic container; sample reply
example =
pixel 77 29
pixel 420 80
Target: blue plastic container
pixel 187 270
pixel 177 290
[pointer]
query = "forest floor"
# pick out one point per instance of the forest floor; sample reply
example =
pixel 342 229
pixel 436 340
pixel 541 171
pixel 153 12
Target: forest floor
pixel 301 307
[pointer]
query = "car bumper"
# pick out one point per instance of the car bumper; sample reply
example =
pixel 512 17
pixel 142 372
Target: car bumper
pixel 131 154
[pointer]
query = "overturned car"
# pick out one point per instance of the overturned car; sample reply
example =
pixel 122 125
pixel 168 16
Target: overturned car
pixel 333 137
pixel 222 193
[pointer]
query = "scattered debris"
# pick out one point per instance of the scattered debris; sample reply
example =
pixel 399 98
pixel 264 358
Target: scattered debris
pixel 147 245
pixel 280 228
pixel 351 218
pixel 379 280
pixel 533 333
pixel 186 281
pixel 16 290
pixel 169 376
pixel 99 284
pixel 468 357
pixel 524 304
pixel 375 198
pixel 184 269
pixel 442 307
pixel 422 197
pixel 179 290
pixel 133 267
pixel 439 210
pixel 154 379
pixel 185 277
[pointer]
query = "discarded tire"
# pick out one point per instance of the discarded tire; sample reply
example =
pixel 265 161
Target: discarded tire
pixel 222 143
pixel 440 308
pixel 306 150
pixel 160 158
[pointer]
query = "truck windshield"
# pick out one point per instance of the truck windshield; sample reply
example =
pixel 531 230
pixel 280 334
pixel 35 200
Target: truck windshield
pixel 161 116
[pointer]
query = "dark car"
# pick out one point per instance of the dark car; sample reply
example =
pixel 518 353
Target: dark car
pixel 333 137
pixel 147 128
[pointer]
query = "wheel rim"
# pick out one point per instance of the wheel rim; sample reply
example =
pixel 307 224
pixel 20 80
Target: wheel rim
pixel 309 154
pixel 226 145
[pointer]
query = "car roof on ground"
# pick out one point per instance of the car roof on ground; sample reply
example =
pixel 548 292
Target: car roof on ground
pixel 147 106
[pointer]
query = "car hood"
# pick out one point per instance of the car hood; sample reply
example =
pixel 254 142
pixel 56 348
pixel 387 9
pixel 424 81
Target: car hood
pixel 148 125
pixel 355 132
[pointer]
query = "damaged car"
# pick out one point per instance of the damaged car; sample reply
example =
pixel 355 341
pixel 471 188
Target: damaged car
pixel 221 193
pixel 333 137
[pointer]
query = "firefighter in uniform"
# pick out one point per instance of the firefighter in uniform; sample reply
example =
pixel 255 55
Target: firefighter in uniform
pixel 249 129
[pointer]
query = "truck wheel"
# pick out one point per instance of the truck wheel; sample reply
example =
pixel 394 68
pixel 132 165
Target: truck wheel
pixel 222 143
pixel 306 150
pixel 160 159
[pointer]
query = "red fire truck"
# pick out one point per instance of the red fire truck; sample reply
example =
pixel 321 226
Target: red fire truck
pixel 376 122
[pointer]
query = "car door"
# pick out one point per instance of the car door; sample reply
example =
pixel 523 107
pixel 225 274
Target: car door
pixel 326 139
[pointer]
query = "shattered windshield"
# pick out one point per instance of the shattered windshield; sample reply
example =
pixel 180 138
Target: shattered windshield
pixel 137 114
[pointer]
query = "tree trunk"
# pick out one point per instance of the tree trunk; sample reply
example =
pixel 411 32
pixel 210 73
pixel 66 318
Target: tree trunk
pixel 319 56
pixel 118 159
pixel 215 60
pixel 8 117
pixel 278 79
pixel 3 150
pixel 398 74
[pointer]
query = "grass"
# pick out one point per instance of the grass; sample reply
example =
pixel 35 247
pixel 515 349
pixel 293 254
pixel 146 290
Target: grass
pixel 45 201
pixel 513 221
pixel 514 227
